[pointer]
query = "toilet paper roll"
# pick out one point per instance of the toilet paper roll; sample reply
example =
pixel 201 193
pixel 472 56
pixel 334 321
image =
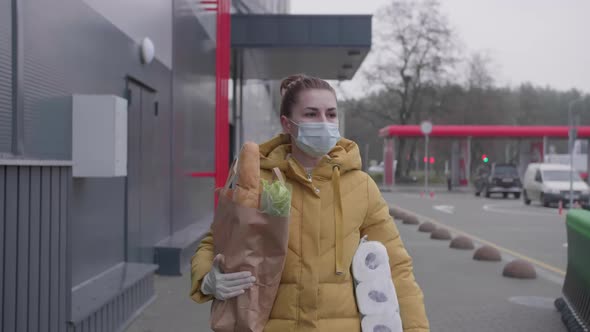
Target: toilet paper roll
pixel 370 262
pixel 382 323
pixel 377 297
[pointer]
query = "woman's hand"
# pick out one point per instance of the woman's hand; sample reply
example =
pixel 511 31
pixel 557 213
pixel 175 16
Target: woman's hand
pixel 226 286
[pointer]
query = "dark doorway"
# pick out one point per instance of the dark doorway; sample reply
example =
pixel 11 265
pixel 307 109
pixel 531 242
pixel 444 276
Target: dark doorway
pixel 141 173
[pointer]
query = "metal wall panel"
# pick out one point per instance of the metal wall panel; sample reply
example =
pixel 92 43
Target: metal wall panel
pixel 32 205
pixel 22 266
pixel 6 76
pixel 34 248
pixel 44 302
pixel 65 280
pixel 2 226
pixel 10 249
pixel 54 276
pixel 194 117
pixel 75 62
pixel 148 20
pixel 116 313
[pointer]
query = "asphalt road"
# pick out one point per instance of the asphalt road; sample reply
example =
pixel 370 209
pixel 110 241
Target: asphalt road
pixel 462 294
pixel 534 231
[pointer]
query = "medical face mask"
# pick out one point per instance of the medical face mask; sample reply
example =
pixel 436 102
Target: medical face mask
pixel 316 138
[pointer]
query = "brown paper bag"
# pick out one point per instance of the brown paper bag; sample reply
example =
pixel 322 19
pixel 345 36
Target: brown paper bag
pixel 250 241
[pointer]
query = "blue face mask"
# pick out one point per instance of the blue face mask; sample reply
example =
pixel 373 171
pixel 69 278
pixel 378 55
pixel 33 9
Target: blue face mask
pixel 316 139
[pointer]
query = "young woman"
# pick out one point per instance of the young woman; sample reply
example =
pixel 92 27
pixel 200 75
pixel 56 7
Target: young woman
pixel 334 205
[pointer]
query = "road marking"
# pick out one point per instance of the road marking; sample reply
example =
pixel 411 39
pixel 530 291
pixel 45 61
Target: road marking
pixel 445 208
pixel 501 208
pixel 534 301
pixel 500 248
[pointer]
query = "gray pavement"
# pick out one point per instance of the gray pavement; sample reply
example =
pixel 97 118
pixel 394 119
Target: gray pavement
pixel 533 231
pixel 460 294
pixel 173 310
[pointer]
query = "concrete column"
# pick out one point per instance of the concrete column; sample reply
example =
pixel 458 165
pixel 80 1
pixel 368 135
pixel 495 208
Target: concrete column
pixel 545 147
pixel 524 156
pixel 468 162
pixel 507 153
pixel 388 162
pixel 463 160
pixel 455 156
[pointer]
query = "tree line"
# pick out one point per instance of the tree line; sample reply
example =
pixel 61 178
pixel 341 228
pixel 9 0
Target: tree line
pixel 417 71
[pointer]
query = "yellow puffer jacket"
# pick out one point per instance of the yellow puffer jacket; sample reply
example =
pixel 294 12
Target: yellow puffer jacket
pixel 330 213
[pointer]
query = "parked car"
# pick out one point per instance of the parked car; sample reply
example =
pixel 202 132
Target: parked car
pixel 498 179
pixel 550 184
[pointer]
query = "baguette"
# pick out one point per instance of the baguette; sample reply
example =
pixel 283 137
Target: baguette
pixel 246 192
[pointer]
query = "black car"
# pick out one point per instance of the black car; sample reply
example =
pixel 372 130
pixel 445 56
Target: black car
pixel 498 179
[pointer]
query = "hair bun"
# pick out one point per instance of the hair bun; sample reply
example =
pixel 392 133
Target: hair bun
pixel 291 81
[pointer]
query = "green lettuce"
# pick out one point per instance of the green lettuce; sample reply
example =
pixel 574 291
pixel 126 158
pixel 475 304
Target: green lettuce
pixel 275 199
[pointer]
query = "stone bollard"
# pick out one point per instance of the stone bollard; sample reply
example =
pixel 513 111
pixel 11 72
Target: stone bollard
pixel 462 242
pixel 487 253
pixel 441 234
pixel 519 269
pixel 411 220
pixel 427 227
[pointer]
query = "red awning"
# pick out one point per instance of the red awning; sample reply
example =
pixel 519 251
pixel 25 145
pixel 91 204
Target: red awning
pixel 485 131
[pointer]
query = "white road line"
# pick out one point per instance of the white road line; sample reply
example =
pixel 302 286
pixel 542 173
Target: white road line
pixel 445 208
pixel 501 208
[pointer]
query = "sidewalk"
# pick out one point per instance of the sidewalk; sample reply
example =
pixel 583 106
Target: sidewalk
pixel 173 310
pixel 460 295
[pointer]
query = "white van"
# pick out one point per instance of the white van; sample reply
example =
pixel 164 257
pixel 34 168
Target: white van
pixel 550 183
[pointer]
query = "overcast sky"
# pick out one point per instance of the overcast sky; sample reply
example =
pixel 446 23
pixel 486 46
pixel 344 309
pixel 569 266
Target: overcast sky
pixel 546 42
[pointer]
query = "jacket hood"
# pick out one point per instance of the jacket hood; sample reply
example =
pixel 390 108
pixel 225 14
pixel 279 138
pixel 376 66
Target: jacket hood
pixel 275 153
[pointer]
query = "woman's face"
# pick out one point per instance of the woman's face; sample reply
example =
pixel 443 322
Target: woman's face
pixel 313 105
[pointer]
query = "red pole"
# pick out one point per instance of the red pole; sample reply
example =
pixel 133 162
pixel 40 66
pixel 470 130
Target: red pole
pixel 222 58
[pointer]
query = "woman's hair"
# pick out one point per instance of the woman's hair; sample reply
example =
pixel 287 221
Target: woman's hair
pixel 293 85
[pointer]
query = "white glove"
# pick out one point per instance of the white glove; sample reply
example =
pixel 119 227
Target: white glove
pixel 228 285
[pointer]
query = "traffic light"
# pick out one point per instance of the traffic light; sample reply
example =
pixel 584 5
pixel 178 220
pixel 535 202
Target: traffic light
pixel 485 158
pixel 432 160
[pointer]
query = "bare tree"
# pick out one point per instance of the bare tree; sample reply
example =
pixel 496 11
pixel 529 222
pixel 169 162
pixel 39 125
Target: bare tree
pixel 414 52
pixel 479 70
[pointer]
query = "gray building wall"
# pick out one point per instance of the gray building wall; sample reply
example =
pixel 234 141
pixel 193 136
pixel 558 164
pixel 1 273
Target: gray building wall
pixel 139 19
pixel 91 47
pixel 87 55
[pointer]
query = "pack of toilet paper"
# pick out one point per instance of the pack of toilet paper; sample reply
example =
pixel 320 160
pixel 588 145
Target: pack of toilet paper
pixel 375 293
